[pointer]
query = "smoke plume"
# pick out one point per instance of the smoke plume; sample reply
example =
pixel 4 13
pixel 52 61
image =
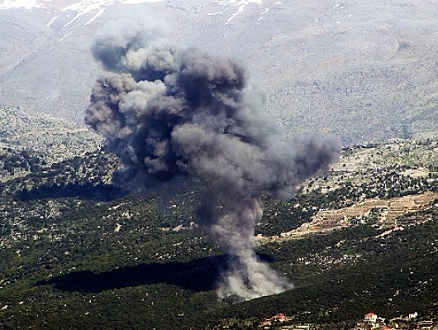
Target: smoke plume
pixel 172 112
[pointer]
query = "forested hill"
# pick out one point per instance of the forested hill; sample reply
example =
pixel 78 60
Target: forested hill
pixel 77 252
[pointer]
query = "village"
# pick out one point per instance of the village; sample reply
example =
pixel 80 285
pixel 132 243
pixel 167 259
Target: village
pixel 370 321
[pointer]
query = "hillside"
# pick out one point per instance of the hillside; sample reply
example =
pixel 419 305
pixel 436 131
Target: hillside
pixel 77 252
pixel 358 70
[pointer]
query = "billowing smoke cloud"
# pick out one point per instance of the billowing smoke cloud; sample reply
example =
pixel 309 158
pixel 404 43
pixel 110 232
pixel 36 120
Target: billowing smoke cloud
pixel 171 112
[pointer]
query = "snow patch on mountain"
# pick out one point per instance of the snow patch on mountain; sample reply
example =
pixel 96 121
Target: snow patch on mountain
pixel 232 8
pixel 93 4
pixel 84 7
pixel 27 4
pixel 240 4
pixel 81 6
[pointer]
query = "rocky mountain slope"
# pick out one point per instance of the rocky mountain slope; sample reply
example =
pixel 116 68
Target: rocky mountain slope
pixel 360 71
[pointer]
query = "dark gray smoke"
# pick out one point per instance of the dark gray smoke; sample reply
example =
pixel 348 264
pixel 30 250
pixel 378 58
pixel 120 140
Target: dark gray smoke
pixel 171 112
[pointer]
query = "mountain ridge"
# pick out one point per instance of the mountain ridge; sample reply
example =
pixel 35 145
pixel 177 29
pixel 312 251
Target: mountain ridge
pixel 357 71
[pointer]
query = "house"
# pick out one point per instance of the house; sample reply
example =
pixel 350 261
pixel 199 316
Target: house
pixel 412 316
pixel 370 318
pixel 280 317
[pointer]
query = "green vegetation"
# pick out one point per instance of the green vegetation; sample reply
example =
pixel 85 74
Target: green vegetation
pixel 77 252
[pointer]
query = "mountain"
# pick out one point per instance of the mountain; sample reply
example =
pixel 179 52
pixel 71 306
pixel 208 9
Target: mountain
pixel 77 252
pixel 358 70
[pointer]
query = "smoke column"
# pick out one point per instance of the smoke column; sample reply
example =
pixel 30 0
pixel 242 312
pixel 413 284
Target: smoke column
pixel 172 112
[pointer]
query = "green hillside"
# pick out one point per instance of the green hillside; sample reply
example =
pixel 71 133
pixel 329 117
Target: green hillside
pixel 78 253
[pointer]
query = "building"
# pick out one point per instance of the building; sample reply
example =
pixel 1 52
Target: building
pixel 370 318
pixel 280 317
